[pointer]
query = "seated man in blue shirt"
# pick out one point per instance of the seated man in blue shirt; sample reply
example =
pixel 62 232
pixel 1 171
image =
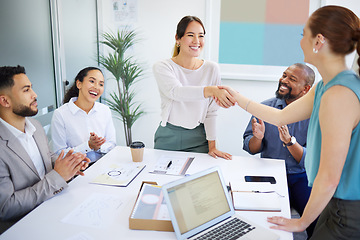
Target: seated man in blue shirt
pixel 286 142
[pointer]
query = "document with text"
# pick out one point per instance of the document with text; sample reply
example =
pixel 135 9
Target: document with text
pixel 119 174
pixel 97 211
pixel 172 165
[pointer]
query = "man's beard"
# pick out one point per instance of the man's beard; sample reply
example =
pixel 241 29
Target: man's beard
pixel 25 111
pixel 284 96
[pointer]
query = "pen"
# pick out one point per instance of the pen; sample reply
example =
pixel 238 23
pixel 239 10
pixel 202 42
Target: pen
pixel 169 164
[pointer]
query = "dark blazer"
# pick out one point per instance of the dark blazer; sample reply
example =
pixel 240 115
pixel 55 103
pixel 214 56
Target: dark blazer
pixel 21 188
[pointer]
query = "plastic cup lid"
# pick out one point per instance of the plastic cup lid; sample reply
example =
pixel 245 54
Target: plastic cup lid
pixel 137 145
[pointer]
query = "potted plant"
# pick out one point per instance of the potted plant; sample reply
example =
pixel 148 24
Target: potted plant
pixel 126 72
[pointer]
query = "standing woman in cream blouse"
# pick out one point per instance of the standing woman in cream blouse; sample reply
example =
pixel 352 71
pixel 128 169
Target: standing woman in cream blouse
pixel 187 86
pixel 82 123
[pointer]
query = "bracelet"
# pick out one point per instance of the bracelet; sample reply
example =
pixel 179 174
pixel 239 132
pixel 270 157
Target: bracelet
pixel 247 105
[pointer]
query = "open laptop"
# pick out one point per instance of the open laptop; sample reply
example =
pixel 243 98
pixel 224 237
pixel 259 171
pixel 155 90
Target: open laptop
pixel 200 203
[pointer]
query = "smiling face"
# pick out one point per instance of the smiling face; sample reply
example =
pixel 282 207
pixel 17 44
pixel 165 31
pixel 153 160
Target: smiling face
pixel 22 97
pixel 192 43
pixel 292 84
pixel 92 86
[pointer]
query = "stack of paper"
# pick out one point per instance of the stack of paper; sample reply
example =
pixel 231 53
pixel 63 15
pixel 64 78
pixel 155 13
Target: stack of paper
pixel 255 197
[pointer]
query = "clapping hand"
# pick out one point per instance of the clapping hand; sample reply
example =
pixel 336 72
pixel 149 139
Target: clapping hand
pixel 258 128
pixel 284 134
pixel 95 141
pixel 70 165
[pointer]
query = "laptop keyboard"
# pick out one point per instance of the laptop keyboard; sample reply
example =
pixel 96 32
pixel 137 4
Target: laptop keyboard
pixel 230 230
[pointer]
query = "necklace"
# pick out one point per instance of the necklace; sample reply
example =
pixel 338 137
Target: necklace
pixel 193 68
pixel 176 60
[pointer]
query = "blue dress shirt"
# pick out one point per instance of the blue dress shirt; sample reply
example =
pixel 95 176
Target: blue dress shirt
pixel 272 146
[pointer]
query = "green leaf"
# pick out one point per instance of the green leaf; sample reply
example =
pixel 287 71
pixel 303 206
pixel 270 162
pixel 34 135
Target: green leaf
pixel 126 72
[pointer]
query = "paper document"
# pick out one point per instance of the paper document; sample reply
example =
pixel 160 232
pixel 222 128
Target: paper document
pixel 99 211
pixel 255 197
pixel 119 175
pixel 172 165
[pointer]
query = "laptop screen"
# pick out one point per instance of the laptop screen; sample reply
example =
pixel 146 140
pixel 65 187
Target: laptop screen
pixel 198 201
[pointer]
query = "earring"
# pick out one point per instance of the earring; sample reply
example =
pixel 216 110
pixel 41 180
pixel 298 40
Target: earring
pixel 178 45
pixel 315 50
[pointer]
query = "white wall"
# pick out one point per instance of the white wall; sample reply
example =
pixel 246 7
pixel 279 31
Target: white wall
pixel 156 21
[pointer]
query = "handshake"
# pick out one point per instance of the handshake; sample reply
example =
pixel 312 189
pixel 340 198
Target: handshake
pixel 224 96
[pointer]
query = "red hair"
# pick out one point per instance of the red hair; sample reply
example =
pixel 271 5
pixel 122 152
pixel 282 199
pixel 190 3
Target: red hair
pixel 340 26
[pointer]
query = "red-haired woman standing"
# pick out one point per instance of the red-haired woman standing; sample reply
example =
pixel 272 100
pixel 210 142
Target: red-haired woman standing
pixel 333 154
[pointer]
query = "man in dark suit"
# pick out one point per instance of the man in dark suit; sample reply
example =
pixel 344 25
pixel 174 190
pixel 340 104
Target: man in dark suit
pixel 28 175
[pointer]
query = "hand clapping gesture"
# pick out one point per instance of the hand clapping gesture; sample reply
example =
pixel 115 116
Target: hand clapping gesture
pixel 284 134
pixel 95 141
pixel 70 165
pixel 258 128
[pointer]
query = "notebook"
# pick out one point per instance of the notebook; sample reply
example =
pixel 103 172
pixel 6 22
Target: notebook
pixel 255 196
pixel 200 204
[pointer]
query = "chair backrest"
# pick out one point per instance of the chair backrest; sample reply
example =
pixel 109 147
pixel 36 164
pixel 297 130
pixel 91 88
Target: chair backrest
pixel 44 116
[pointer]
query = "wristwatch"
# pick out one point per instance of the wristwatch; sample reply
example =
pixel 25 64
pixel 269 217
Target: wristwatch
pixel 292 142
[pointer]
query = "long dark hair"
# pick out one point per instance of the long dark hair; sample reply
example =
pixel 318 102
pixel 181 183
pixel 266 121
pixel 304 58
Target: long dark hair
pixel 181 28
pixel 340 26
pixel 73 90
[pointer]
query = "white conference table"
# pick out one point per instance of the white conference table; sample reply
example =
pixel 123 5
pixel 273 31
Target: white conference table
pixel 47 220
